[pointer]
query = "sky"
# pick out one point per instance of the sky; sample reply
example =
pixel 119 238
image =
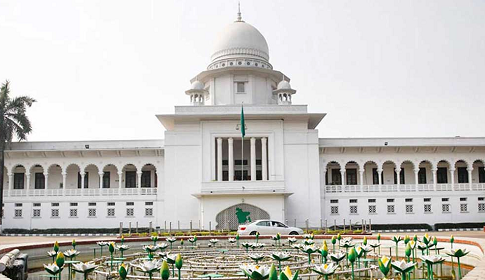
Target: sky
pixel 102 69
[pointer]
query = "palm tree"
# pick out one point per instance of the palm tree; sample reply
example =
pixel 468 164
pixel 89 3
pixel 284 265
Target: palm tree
pixel 13 123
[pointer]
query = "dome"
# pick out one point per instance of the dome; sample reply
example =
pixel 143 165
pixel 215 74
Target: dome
pixel 284 85
pixel 240 39
pixel 197 85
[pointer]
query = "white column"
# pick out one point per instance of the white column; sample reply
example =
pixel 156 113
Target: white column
pixel 398 175
pixel 82 180
pixel 100 179
pixel 230 141
pixel 342 175
pixel 361 176
pixel 379 175
pixel 470 177
pixel 10 181
pixel 253 159
pixel 264 160
pixel 46 180
pixel 138 178
pixel 435 178
pixel 120 180
pixel 324 173
pixel 452 178
pixel 219 159
pixel 27 183
pixel 64 182
pixel 416 177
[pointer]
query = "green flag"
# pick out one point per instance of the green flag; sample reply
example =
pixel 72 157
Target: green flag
pixel 243 126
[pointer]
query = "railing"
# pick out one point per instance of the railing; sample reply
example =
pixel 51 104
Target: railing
pixel 404 188
pixel 81 192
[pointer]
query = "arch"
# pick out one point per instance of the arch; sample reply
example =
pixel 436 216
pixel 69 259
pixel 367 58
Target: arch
pixel 233 216
pixel 129 166
pixel 54 165
pixel 407 161
pixel 148 180
pixel 37 165
pixel 91 165
pixel 73 165
pixel 333 162
pixel 389 161
pixel 424 161
pixel 110 165
pixel 18 166
pixel 461 161
pixel 352 162
pixel 442 162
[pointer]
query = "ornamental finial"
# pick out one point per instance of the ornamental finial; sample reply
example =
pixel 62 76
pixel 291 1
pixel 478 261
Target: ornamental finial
pixel 239 17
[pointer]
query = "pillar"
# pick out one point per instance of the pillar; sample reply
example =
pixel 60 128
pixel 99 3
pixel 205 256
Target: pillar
pixel 416 177
pixel 100 179
pixel 10 181
pixel 342 175
pixel 120 180
pixel 230 141
pixel 264 164
pixel 435 178
pixel 398 174
pixel 253 159
pixel 219 159
pixel 46 180
pixel 379 176
pixel 82 180
pixel 64 182
pixel 470 177
pixel 452 178
pixel 27 183
pixel 138 178
pixel 361 176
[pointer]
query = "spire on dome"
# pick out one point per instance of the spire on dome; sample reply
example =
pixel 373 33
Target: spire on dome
pixel 239 17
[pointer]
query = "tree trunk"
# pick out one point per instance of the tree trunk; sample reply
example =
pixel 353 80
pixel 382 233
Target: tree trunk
pixel 2 163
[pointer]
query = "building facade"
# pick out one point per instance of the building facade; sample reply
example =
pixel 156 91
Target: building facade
pixel 205 175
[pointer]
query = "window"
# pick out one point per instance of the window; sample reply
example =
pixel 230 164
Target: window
pixel 237 174
pixel 336 177
pixel 111 212
pixel 409 208
pixel 73 204
pixel 111 204
pixel 427 199
pixel 442 175
pixel 353 200
pixel 445 199
pixel 130 179
pixel 54 213
pixel 92 212
pixel 390 200
pixel 18 204
pixel 146 179
pixel 148 211
pixel 427 208
pixel 92 204
pixel 353 209
pixel 390 209
pixel 106 180
pixel 481 207
pixel 401 177
pixel 36 213
pixel 18 213
pixel 240 87
pixel 445 208
pixel 149 203
pixel 130 203
pixel 408 200
pixel 130 212
pixel 72 213
pixel 463 199
pixel 422 176
pixel 334 210
pixel 371 200
pixel 55 204
pixel 481 175
pixel 86 180
pixel 333 200
pixel 18 181
pixel 481 199
pixel 39 181
pixel 462 175
pixel 36 204
pixel 372 209
pixel 375 176
pixel 463 207
pixel 351 176
pixel 264 224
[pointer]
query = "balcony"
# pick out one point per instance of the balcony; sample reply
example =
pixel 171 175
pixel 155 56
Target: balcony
pixel 404 188
pixel 80 192
pixel 242 187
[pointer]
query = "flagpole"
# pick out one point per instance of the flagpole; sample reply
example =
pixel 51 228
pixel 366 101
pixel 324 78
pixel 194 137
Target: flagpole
pixel 242 158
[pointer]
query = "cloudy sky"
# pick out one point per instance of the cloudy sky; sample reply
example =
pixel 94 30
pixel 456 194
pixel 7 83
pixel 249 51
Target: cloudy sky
pixel 103 69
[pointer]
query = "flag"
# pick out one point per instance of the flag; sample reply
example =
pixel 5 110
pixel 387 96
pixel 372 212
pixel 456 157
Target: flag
pixel 243 126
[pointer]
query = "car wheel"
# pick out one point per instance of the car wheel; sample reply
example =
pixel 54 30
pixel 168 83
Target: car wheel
pixel 293 233
pixel 252 233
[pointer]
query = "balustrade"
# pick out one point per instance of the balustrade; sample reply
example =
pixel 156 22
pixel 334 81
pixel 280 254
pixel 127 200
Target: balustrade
pixel 80 192
pixel 404 188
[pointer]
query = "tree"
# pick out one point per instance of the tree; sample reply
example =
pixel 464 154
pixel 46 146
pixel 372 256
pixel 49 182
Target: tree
pixel 14 123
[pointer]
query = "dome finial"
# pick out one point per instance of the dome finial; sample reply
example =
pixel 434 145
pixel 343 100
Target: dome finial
pixel 239 17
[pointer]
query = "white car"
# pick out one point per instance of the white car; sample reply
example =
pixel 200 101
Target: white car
pixel 268 227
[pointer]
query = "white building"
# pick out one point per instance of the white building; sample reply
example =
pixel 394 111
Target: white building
pixel 287 173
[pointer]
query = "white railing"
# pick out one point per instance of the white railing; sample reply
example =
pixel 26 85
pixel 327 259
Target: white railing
pixel 404 188
pixel 81 192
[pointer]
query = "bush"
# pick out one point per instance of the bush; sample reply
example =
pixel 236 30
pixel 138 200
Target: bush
pixel 458 225
pixel 401 226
